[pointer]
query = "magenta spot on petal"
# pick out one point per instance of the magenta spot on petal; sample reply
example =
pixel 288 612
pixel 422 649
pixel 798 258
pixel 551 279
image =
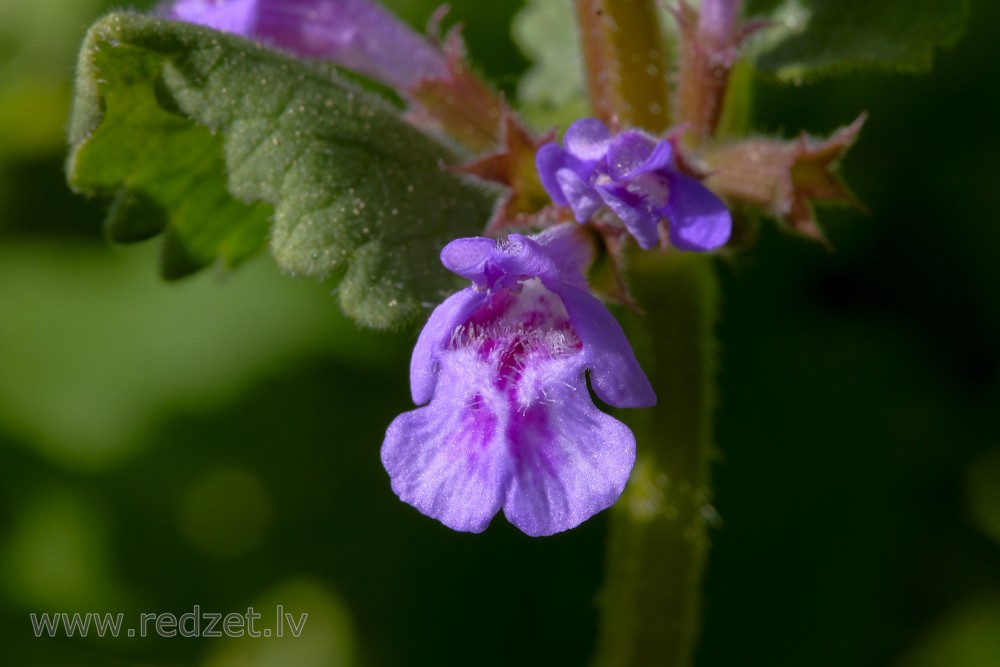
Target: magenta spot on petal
pixel 533 319
pixel 479 426
pixel 517 328
pixel 499 302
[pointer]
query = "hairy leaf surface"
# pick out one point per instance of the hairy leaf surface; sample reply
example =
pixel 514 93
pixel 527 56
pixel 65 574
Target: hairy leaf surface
pixel 223 147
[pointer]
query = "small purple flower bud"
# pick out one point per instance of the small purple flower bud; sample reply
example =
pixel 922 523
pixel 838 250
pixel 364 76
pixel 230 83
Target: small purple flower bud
pixel 717 21
pixel 356 34
pixel 636 176
pixel 510 423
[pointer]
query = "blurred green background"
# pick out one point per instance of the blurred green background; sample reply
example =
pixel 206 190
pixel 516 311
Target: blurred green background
pixel 215 441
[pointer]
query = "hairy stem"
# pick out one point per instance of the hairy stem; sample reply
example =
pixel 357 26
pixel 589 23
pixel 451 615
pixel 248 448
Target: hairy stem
pixel 709 44
pixel 658 541
pixel 626 65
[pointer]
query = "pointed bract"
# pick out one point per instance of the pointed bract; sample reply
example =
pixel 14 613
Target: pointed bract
pixel 785 177
pixel 513 167
pixel 458 102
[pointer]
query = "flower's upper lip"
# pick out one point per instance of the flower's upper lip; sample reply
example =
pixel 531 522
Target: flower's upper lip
pixel 615 374
pixel 634 153
pixel 587 139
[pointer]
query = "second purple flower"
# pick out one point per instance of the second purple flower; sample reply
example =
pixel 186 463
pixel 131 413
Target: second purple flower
pixel 636 176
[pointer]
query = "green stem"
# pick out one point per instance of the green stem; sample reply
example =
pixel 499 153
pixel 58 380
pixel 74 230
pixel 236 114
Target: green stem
pixel 658 541
pixel 626 64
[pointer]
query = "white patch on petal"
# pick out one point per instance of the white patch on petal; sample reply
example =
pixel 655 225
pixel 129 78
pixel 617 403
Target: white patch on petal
pixel 652 188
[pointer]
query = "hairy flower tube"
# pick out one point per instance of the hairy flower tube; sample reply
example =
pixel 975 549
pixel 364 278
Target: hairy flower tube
pixel 356 34
pixel 510 423
pixel 636 176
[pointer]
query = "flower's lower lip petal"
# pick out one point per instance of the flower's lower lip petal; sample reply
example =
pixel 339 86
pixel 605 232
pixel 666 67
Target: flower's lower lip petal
pixel 643 225
pixel 570 461
pixel 549 159
pixel 615 373
pixel 699 219
pixel 580 196
pixel 448 461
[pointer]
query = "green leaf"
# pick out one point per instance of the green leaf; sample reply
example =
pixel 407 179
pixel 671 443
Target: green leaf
pixel 814 38
pixel 222 144
pixel 551 92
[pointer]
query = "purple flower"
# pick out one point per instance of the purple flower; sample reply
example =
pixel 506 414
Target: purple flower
pixel 510 423
pixel 356 34
pixel 636 176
